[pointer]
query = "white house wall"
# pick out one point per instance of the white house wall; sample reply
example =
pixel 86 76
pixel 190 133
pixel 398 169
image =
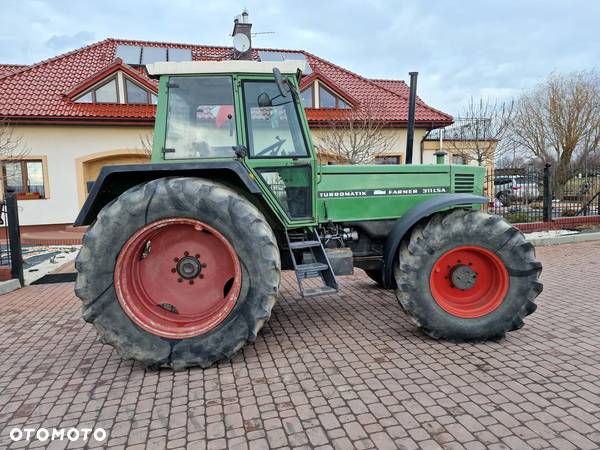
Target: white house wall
pixel 63 145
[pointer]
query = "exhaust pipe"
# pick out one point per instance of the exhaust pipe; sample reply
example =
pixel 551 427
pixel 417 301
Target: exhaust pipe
pixel 412 104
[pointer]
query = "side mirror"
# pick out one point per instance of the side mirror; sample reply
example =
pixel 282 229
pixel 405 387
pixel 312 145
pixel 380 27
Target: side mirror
pixel 264 100
pixel 282 85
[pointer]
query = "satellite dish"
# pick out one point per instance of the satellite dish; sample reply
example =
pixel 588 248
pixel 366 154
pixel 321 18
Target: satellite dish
pixel 241 42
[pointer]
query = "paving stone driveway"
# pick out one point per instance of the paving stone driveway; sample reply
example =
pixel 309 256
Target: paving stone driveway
pixel 347 371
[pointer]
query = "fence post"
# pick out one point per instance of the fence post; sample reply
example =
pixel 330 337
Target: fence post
pixel 547 194
pixel 14 236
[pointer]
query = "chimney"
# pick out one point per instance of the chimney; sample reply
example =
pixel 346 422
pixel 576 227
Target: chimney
pixel 412 101
pixel 242 25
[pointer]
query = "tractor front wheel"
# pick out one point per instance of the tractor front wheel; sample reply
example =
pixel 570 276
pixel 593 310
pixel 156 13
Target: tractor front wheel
pixel 467 276
pixel 178 272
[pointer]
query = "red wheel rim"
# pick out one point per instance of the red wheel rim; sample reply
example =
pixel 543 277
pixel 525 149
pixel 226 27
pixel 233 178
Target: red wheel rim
pixel 469 281
pixel 177 278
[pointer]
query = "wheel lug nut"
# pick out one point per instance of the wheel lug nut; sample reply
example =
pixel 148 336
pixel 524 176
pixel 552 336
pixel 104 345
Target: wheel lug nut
pixel 180 279
pixel 175 259
pixel 201 276
pixel 197 256
pixel 186 253
pixel 173 270
pixel 191 281
pixel 203 265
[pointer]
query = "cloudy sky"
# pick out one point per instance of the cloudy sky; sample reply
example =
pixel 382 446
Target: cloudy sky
pixel 460 48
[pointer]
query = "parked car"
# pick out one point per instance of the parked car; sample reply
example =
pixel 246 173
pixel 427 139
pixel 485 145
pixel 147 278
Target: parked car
pixel 510 189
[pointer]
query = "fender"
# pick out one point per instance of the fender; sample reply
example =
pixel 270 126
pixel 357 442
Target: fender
pixel 114 180
pixel 406 222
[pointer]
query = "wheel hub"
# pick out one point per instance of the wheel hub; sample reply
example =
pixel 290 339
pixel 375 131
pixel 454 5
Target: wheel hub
pixel 463 277
pixel 469 281
pixel 189 267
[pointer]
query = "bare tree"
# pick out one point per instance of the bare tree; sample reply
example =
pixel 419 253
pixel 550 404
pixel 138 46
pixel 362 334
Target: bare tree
pixel 12 149
pixel 358 138
pixel 146 142
pixel 513 158
pixel 559 121
pixel 479 134
pixel 11 144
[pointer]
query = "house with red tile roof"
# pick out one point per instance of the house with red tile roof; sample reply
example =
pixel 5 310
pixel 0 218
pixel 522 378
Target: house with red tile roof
pixel 94 106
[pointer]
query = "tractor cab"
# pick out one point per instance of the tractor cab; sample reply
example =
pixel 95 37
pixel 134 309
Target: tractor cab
pixel 240 110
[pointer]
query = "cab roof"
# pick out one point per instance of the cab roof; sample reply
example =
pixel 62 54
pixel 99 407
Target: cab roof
pixel 228 66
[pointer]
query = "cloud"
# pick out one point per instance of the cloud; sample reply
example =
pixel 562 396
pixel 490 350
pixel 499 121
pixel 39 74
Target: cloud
pixel 461 49
pixel 65 41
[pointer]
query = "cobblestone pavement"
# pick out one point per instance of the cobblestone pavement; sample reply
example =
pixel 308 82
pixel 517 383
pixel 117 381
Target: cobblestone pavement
pixel 347 371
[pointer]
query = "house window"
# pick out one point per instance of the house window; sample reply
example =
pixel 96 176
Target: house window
pixel 26 178
pixel 395 159
pixel 459 160
pixel 108 92
pixel 307 97
pixel 326 98
pixel 105 93
pixel 329 100
pixel 137 95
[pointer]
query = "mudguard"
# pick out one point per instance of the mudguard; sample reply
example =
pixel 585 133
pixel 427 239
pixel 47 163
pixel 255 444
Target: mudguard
pixel 408 220
pixel 114 180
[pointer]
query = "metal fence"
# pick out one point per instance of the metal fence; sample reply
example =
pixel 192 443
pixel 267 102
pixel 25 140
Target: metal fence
pixel 532 194
pixel 4 246
pixel 11 257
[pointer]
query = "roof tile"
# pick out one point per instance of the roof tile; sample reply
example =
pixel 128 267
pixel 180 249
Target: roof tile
pixel 37 91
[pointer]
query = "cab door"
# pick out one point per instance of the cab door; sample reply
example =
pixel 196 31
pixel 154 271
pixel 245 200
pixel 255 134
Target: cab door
pixel 279 149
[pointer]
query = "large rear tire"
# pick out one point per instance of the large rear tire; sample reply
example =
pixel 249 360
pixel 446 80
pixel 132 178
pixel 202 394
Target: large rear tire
pixel 178 272
pixel 467 276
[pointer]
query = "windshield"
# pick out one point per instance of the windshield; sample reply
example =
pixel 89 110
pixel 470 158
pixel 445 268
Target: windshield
pixel 200 118
pixel 273 131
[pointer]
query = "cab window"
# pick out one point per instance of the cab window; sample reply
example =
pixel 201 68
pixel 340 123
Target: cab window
pixel 273 131
pixel 200 118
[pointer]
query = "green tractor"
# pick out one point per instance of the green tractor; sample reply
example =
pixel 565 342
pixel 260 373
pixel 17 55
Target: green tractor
pixel 182 260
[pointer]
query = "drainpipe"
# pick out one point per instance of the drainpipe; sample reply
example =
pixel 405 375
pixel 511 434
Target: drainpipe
pixel 422 146
pixel 412 104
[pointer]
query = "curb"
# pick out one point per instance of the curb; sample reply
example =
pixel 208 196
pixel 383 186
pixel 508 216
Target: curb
pixel 566 239
pixel 9 286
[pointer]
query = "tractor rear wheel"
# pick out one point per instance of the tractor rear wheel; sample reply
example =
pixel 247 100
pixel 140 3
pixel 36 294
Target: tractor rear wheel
pixel 178 272
pixel 467 276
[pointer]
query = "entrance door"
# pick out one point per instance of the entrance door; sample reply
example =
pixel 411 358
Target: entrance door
pixel 279 148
